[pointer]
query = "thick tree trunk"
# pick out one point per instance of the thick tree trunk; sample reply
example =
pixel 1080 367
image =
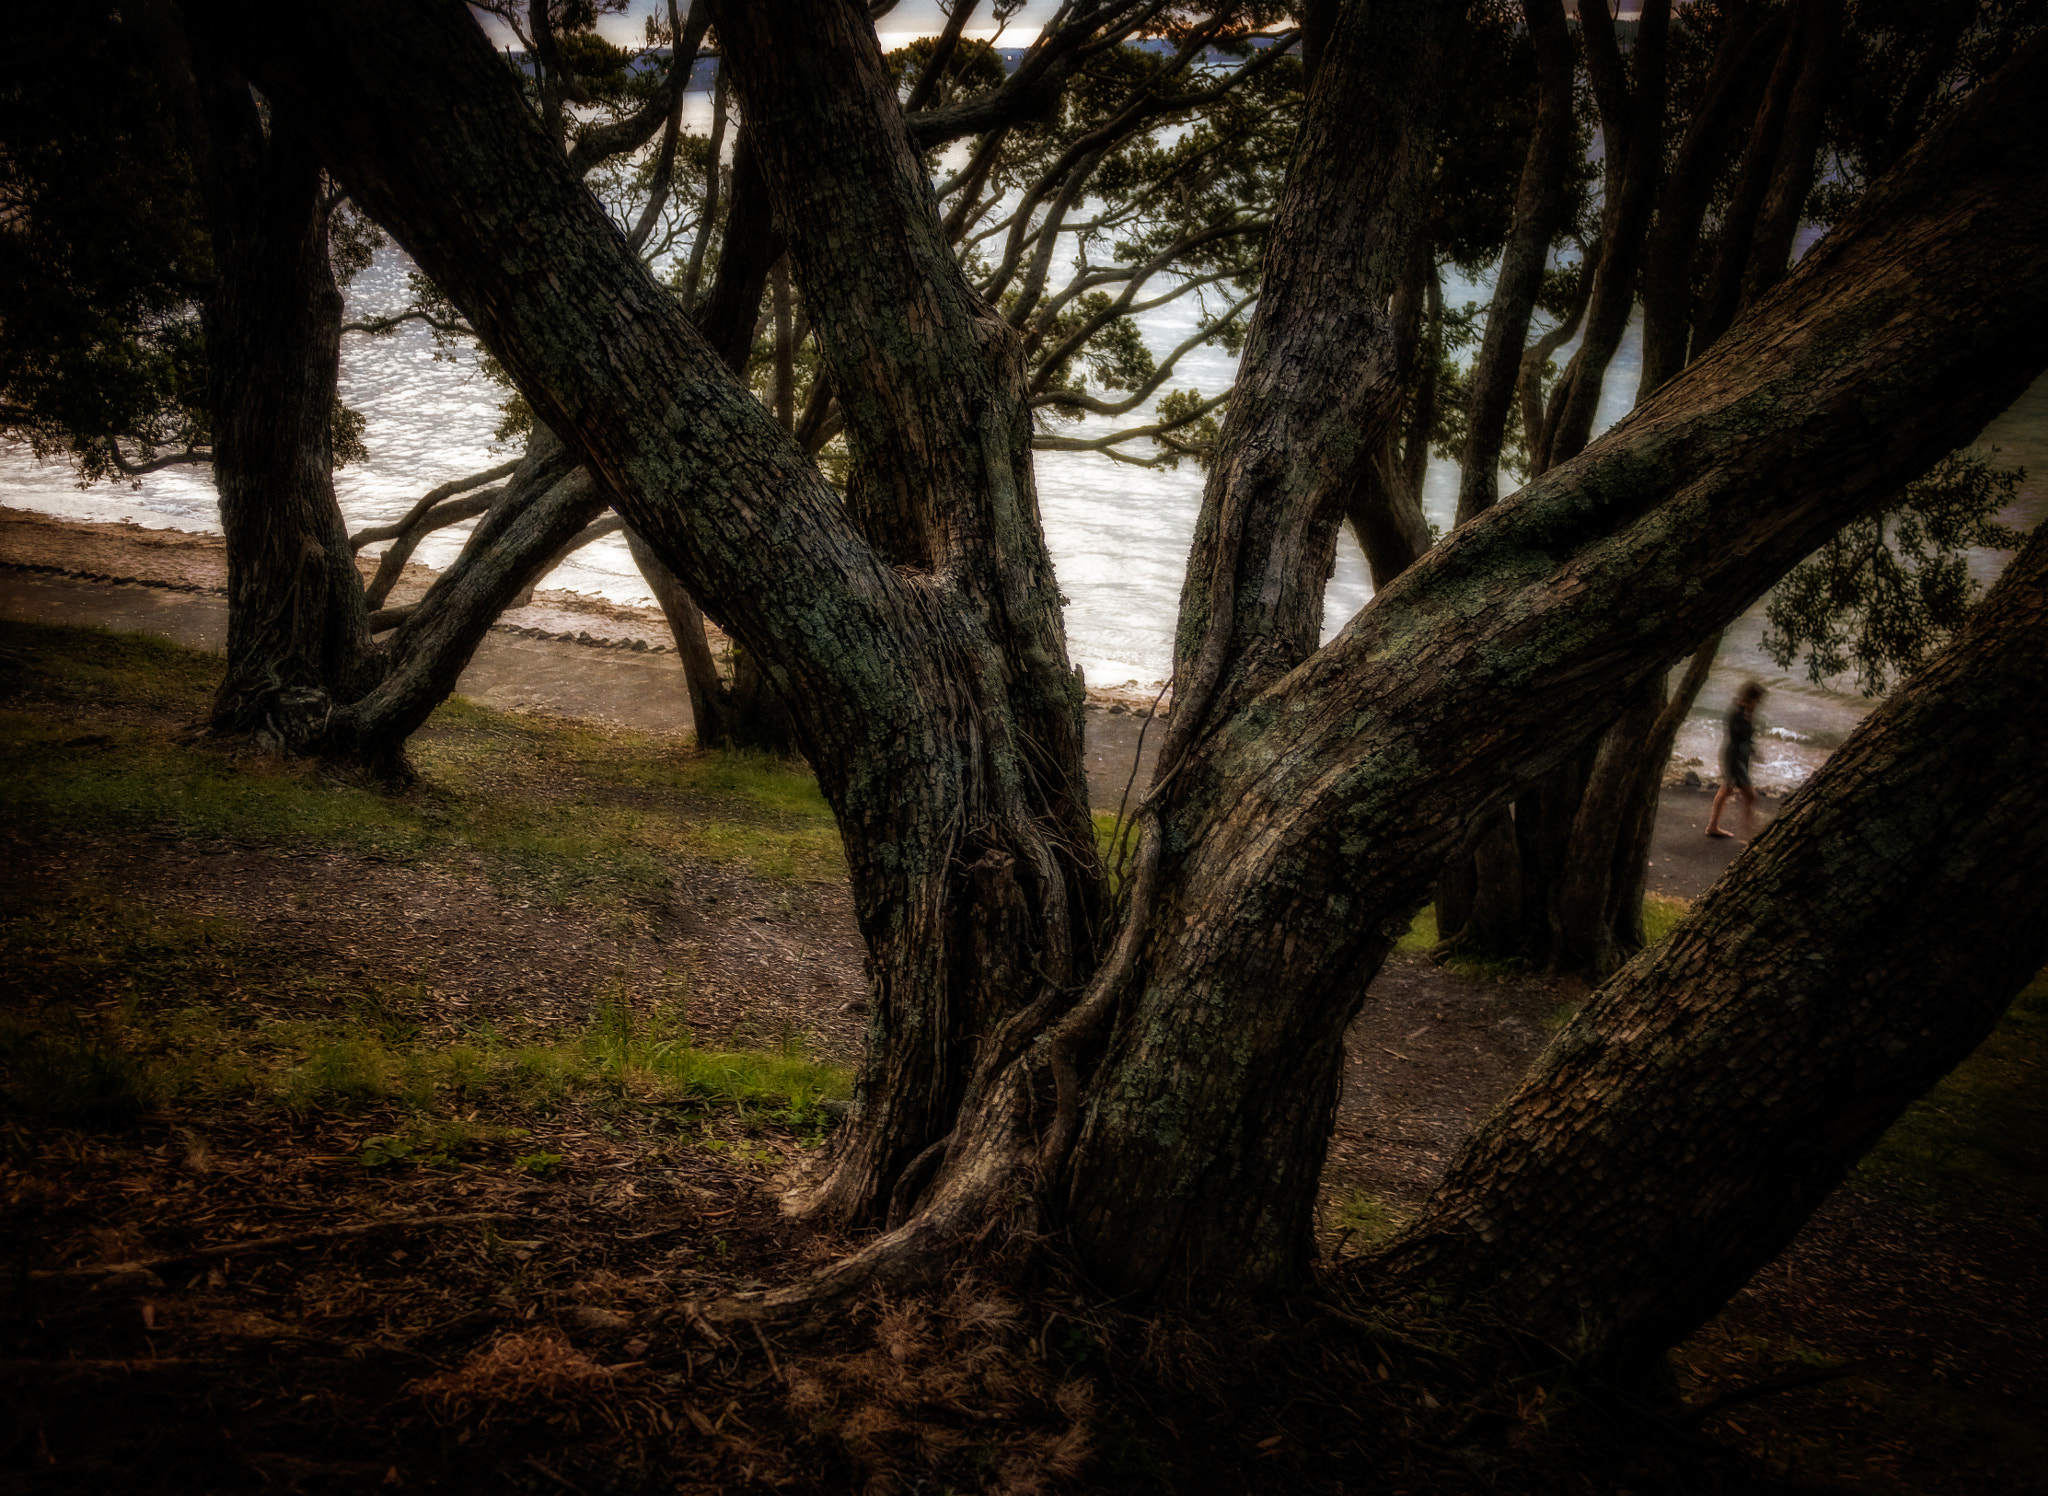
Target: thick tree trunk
pixel 1311 793
pixel 297 626
pixel 1306 839
pixel 1866 943
pixel 981 839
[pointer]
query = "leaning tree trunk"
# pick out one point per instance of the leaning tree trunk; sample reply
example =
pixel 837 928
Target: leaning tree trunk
pixel 297 626
pixel 1311 816
pixel 1863 946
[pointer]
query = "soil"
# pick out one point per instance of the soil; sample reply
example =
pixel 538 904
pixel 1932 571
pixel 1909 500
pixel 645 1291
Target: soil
pixel 338 1346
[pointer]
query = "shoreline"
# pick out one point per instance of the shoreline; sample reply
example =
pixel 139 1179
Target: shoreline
pixel 118 552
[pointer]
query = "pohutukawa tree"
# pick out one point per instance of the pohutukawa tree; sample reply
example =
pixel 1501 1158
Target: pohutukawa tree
pixel 1158 1075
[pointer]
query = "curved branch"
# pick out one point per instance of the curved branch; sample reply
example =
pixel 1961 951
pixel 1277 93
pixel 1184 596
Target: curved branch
pixel 429 499
pixel 190 457
pixel 1106 444
pixel 378 327
pixel 1074 400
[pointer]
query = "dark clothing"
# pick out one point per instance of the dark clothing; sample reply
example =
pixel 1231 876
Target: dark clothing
pixel 1737 749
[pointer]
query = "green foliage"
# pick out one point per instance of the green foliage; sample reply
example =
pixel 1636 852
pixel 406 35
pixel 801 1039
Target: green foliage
pixel 974 68
pixel 1192 433
pixel 103 247
pixel 1891 588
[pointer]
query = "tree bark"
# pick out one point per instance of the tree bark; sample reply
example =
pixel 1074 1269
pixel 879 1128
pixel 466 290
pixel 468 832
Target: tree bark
pixel 297 626
pixel 1636 129
pixel 1539 206
pixel 995 868
pixel 1863 946
pixel 1311 793
pixel 546 503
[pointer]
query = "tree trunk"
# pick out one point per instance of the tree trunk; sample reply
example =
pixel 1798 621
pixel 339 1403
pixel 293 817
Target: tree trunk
pixel 1862 947
pixel 297 627
pixel 1669 258
pixel 1638 129
pixel 548 501
pixel 1585 892
pixel 1384 499
pixel 711 704
pixel 1539 205
pixel 1182 1096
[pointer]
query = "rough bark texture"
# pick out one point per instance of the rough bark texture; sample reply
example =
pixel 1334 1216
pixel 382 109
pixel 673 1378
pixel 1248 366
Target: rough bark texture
pixel 1865 944
pixel 1312 794
pixel 297 628
pixel 1316 813
pixel 995 867
pixel 1324 364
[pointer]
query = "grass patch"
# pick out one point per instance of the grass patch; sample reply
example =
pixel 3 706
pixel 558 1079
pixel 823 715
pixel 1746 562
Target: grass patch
pixel 114 1013
pixel 1662 914
pixel 1978 1142
pixel 1421 938
pixel 1368 1219
pixel 95 667
pixel 561 810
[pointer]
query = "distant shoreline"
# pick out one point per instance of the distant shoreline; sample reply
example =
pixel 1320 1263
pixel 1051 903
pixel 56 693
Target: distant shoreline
pixel 118 551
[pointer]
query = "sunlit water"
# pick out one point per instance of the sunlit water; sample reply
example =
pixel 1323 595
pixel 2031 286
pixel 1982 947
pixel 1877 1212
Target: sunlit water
pixel 1119 535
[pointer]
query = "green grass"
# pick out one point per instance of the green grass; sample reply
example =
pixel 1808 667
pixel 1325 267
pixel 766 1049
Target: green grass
pixel 1367 1218
pixel 1978 1142
pixel 561 810
pixel 114 1013
pixel 1661 915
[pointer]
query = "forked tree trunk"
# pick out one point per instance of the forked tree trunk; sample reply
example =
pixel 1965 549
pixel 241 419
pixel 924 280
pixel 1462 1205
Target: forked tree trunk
pixel 1174 1110
pixel 1864 945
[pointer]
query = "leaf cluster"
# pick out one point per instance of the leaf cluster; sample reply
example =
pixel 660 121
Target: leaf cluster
pixel 1892 587
pixel 104 251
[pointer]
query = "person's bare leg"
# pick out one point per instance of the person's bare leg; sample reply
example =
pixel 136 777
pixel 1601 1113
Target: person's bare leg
pixel 1714 816
pixel 1748 813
